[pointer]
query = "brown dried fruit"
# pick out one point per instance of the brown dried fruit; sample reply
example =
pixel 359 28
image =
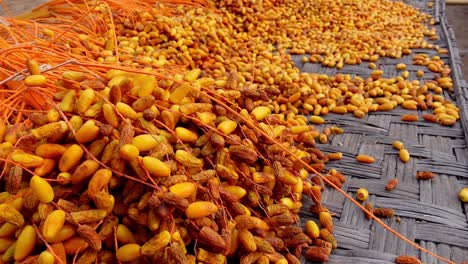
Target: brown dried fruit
pixel 90 236
pixel 30 199
pixel 175 254
pixel 339 175
pixel 296 240
pixel 327 236
pixel 226 173
pixel 11 215
pixel 407 260
pixel 13 182
pixel 334 180
pixel 243 153
pixel 391 184
pixel 317 254
pixel 212 239
pixel 292 259
pixel 204 176
pixel 276 209
pixel 326 221
pixel 250 258
pixel 89 256
pixel 176 201
pixel 107 228
pixel 288 231
pixel 322 243
pixel 430 118
pixel 154 201
pixel 245 222
pixel 156 243
pixel 67 206
pixel 88 216
pixel 282 220
pixel 263 245
pixel 370 208
pixel 274 241
pixel 425 175
pixel 384 212
pixel 409 118
pixel 316 192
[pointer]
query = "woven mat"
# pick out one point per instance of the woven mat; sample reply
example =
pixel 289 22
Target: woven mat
pixel 429 212
pixel 17 7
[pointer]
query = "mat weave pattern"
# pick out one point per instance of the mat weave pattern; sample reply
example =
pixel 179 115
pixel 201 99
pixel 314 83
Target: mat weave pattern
pixel 429 212
pixel 17 7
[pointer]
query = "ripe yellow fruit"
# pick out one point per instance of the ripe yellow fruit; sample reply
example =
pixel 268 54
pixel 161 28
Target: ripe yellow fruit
pixel 126 110
pixel 124 235
pixel 312 229
pixel 26 160
pixel 237 191
pixel 398 145
pixel 183 189
pixel 129 152
pixel 87 132
pixel 8 229
pixel 200 209
pixel 46 258
pixel 70 157
pixel 83 171
pixel 25 243
pixel 317 120
pixel 75 245
pixel 52 224
pixel 45 168
pixel 59 251
pixel 33 67
pixel 179 93
pixel 362 194
pixel 110 116
pixel 463 195
pixel 400 66
pixel 35 80
pixel 85 100
pixel 260 112
pixel 50 150
pixel 186 135
pixel 146 142
pixel 247 240
pixel 156 167
pixel 404 155
pixel 5 243
pixel 67 231
pixel 129 252
pixel 99 181
pixel 42 189
pixel 227 126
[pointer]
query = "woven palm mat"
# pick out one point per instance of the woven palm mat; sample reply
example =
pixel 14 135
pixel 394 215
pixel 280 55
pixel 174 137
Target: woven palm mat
pixel 17 7
pixel 428 212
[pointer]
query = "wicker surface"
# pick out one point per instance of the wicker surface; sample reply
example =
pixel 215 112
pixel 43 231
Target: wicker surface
pixel 429 211
pixel 17 7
